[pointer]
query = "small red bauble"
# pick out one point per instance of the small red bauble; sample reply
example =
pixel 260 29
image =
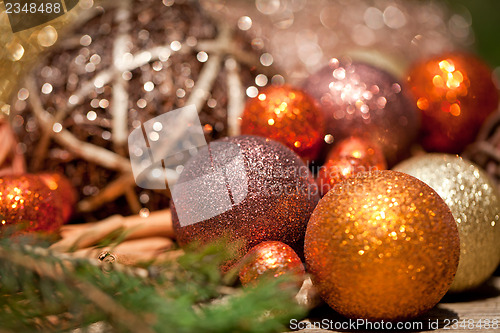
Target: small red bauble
pixel 361 148
pixel 271 259
pixel 455 94
pixel 287 115
pixel 338 169
pixel 63 190
pixel 346 159
pixel 26 202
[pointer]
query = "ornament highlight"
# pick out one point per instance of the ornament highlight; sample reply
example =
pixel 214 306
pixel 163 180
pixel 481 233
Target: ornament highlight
pixel 26 202
pixel 338 169
pixel 363 149
pixel 63 191
pixel 287 115
pixel 475 203
pixel 271 259
pixel 359 99
pixel 455 93
pixel 382 246
pixel 273 196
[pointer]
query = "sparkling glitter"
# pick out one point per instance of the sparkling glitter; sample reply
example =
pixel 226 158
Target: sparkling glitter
pixel 103 103
pixel 23 94
pixel 261 80
pixel 474 202
pixel 266 59
pixel 47 36
pixel 252 92
pixel 47 88
pixel 142 103
pixel 144 212
pixel 91 115
pixel 202 56
pixel 106 135
pixel 86 40
pixel 180 93
pixel 244 23
pixel 175 45
pixel 57 127
pixel 149 86
pixel 358 233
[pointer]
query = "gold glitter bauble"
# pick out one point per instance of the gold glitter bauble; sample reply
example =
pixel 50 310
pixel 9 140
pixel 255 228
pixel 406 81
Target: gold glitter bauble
pixel 382 246
pixel 475 204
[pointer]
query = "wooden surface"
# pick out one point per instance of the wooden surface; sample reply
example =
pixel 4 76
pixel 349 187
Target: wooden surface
pixel 463 309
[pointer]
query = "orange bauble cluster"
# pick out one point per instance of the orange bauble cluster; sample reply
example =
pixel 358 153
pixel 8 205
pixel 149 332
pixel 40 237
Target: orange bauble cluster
pixel 28 204
pixel 455 93
pixel 382 246
pixel 272 259
pixel 287 115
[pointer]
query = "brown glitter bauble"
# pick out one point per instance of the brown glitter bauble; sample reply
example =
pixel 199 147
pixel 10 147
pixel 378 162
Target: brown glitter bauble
pixel 363 149
pixel 359 99
pixel 287 115
pixel 338 169
pixel 382 246
pixel 455 93
pixel 63 191
pixel 279 195
pixel 271 259
pixel 121 64
pixel 26 202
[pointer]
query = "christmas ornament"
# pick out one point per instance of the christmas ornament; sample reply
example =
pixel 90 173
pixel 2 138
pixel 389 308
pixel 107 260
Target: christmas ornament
pixel 287 115
pixel 363 149
pixel 474 201
pixel 382 246
pixel 271 258
pixel 124 63
pixel 359 99
pixel 337 169
pixel 301 36
pixel 26 202
pixel 272 195
pixel 11 158
pixel 63 191
pixel 455 93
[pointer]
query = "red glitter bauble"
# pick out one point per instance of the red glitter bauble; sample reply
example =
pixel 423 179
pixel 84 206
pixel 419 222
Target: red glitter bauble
pixel 271 194
pixel 455 93
pixel 26 202
pixel 287 115
pixel 359 99
pixel 271 259
pixel 364 149
pixel 338 169
pixel 63 191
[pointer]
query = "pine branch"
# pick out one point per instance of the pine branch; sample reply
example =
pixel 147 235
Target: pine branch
pixel 42 291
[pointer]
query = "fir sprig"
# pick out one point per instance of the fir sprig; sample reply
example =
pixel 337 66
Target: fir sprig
pixel 42 291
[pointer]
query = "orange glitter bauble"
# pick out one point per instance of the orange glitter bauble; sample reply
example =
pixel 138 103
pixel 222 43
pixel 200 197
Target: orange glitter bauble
pixel 26 202
pixel 356 147
pixel 382 246
pixel 63 190
pixel 338 169
pixel 271 258
pixel 455 93
pixel 287 115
